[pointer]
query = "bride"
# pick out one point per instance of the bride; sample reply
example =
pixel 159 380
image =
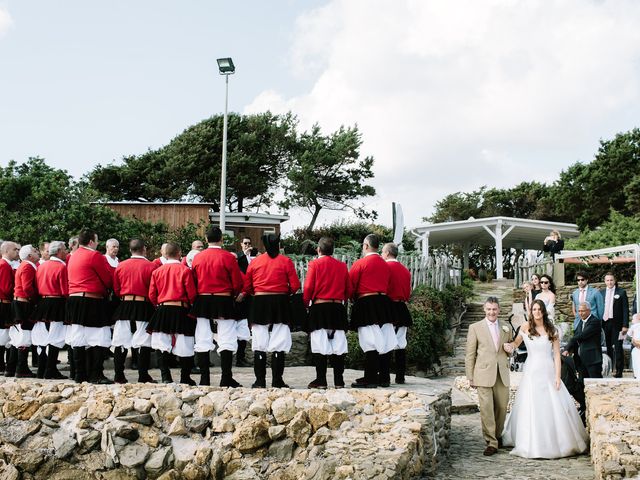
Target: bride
pixel 544 421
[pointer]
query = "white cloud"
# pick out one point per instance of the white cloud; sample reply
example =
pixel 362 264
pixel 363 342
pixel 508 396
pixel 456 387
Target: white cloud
pixel 5 20
pixel 453 95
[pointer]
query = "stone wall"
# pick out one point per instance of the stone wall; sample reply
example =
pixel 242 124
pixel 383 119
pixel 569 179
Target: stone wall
pixel 61 430
pixel 614 426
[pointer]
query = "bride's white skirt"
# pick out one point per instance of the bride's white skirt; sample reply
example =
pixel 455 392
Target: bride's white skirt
pixel 543 422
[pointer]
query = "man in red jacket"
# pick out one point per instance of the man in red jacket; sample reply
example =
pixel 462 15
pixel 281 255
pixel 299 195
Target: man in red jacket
pixel 10 253
pixel 89 334
pixel 49 329
pixel 173 290
pixel 399 293
pixel 25 297
pixel 219 281
pixel 131 281
pixel 326 289
pixel 369 283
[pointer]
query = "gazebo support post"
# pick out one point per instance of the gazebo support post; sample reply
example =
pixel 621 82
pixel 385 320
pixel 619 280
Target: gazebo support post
pixel 498 236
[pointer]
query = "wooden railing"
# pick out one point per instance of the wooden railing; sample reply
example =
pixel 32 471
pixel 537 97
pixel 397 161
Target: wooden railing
pixel 526 268
pixel 435 272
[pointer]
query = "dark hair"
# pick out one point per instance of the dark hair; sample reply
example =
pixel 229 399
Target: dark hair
pixel 582 273
pixel 172 250
pixel 492 300
pixel 392 249
pixel 85 236
pixel 612 274
pixel 373 241
pixel 136 245
pixel 548 326
pixel 271 243
pixel 552 286
pixel 246 238
pixel 325 245
pixel 214 234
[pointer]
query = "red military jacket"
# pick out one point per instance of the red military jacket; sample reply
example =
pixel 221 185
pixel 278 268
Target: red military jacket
pixel 6 280
pixel 172 282
pixel 89 272
pixel 328 279
pixel 400 283
pixel 216 271
pixel 25 282
pixel 370 274
pixel 133 277
pixel 266 274
pixel 52 278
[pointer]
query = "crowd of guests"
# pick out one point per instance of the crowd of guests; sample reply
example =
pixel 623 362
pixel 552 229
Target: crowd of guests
pixel 189 306
pixel 609 314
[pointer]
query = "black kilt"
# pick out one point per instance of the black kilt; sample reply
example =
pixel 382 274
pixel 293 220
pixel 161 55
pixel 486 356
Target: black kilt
pixel 370 310
pixel 331 316
pixel 88 312
pixel 134 311
pixel 50 310
pixel 243 308
pixel 22 313
pixel 270 309
pixel 173 320
pixel 214 306
pixel 6 315
pixel 400 314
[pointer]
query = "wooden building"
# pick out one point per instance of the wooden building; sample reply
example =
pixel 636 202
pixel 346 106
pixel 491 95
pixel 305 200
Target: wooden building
pixel 179 214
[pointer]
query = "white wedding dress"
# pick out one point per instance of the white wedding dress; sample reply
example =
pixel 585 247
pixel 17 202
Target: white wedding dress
pixel 543 422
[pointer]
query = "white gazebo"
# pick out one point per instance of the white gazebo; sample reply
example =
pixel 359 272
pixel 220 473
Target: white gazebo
pixel 501 232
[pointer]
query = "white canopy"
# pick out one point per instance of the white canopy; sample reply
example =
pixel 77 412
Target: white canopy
pixel 501 232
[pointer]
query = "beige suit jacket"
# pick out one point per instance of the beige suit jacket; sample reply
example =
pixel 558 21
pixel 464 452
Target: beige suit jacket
pixel 482 361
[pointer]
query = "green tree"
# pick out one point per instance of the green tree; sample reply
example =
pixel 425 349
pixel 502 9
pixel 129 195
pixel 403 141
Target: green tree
pixel 258 150
pixel 326 172
pixel 617 230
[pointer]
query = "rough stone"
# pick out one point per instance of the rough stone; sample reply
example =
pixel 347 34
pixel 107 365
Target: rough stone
pixel 68 408
pixel 63 443
pixel 283 409
pixel 16 431
pixel 204 407
pixel 299 429
pixel 134 455
pixel 9 472
pixel 191 395
pixel 142 405
pixel 341 399
pixel 194 472
pixel 170 475
pixel 123 406
pixel 28 460
pixel 88 441
pixel 251 434
pixel 203 456
pixel 335 419
pixel 165 402
pixel 178 427
pixel 129 432
pixel 318 417
pixel 197 424
pixel 277 432
pixel 321 436
pixel 20 409
pixel 282 450
pixel 219 400
pixel 143 418
pixel 159 461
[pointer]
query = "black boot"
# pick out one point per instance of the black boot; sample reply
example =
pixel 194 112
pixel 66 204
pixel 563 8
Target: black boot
pixel 277 370
pixel 119 357
pixel 3 365
pixel 337 362
pixel 12 362
pixel 51 372
pixel 35 360
pixel 384 377
pixel 165 372
pixel 260 369
pixel 135 359
pixel 80 362
pixel 72 364
pixel 96 356
pixel 186 364
pixel 22 370
pixel 240 354
pixel 370 371
pixel 42 363
pixel 202 361
pixel 401 365
pixel 226 361
pixel 320 362
pixel 144 360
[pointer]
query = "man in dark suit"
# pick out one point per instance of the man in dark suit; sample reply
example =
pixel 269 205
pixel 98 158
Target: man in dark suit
pixel 244 258
pixel 615 320
pixel 585 344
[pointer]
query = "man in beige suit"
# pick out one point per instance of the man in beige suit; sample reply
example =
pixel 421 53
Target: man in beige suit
pixel 487 367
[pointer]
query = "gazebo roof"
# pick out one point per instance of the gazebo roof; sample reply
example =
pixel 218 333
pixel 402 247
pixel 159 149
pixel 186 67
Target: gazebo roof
pixel 517 232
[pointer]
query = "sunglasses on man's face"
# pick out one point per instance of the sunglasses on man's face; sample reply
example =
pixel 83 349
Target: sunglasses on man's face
pixel 544 282
pixel 582 279
pixel 246 243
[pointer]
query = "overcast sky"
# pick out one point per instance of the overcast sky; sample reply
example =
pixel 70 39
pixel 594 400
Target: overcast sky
pixel 449 95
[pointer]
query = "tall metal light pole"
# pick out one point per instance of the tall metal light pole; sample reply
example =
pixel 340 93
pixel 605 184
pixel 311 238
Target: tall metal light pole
pixel 226 67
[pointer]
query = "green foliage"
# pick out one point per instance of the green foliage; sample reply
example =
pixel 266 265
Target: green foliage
pixel 348 237
pixel 617 230
pixel 326 172
pixel 258 150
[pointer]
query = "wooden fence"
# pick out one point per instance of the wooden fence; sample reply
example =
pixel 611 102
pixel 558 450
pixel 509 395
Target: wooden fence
pixel 435 272
pixel 526 268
